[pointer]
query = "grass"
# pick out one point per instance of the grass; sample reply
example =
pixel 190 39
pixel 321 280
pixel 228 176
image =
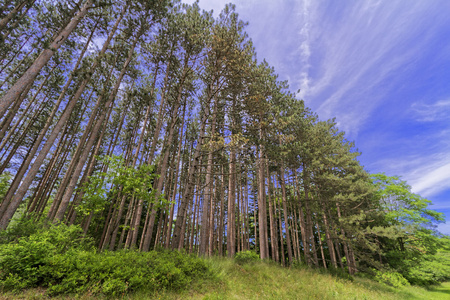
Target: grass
pixel 263 280
pixel 270 281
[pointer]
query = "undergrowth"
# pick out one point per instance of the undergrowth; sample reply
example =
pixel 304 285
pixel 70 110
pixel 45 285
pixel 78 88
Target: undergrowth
pixel 59 259
pixel 40 259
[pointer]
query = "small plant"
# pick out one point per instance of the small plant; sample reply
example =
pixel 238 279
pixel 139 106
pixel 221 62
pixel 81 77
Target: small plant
pixel 246 257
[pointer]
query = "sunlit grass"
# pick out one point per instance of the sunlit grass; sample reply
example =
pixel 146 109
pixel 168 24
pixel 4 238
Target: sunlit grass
pixel 270 281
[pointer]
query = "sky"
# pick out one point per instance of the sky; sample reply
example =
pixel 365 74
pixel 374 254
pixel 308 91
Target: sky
pixel 380 67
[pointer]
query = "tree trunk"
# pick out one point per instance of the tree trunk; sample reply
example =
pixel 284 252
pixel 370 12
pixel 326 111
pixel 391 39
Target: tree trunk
pixel 328 236
pixel 262 215
pixel 207 201
pixel 273 231
pixel 286 221
pixel 222 215
pixel 177 238
pixel 231 223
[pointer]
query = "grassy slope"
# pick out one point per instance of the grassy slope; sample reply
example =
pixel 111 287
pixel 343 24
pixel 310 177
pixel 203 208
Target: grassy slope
pixel 268 281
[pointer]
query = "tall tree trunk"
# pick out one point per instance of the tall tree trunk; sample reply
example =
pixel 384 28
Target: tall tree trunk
pixel 286 221
pixel 162 107
pixel 273 226
pixel 13 111
pixel 309 225
pixel 177 238
pixel 207 201
pixel 194 220
pixel 283 259
pixel 264 249
pixel 328 236
pixel 25 112
pixel 177 166
pixel 347 248
pixel 222 215
pixel 211 221
pixel 321 246
pixel 231 223
pixel 301 216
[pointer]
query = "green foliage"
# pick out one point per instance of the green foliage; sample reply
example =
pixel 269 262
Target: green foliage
pixel 101 185
pixel 432 270
pixel 400 205
pixel 5 181
pixel 394 279
pixel 22 227
pixel 23 260
pixel 246 257
pixel 403 236
pixel 62 260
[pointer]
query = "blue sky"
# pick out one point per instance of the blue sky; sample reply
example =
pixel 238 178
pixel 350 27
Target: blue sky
pixel 381 68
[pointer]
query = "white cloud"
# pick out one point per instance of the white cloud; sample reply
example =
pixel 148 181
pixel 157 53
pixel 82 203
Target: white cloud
pixel 353 52
pixel 305 14
pixel 428 175
pixel 437 111
pixel 432 179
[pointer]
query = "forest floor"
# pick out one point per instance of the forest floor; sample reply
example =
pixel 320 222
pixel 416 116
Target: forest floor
pixel 269 281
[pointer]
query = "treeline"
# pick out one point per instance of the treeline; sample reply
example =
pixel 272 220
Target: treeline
pixel 99 96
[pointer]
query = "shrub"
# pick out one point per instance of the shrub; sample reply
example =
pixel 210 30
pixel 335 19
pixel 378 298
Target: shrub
pixel 246 257
pixel 432 271
pixel 59 260
pixel 29 257
pixel 394 279
pixel 22 227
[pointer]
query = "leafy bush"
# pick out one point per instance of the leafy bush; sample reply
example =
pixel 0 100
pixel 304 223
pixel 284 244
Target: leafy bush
pixel 25 256
pixel 394 279
pixel 62 261
pixel 433 270
pixel 23 227
pixel 246 257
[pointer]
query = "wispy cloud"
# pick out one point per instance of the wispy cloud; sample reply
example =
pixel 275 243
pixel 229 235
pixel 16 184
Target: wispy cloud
pixel 437 111
pixel 306 14
pixel 356 49
pixel 433 179
pixel 428 175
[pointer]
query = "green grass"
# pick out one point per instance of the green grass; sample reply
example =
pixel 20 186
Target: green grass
pixel 269 281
